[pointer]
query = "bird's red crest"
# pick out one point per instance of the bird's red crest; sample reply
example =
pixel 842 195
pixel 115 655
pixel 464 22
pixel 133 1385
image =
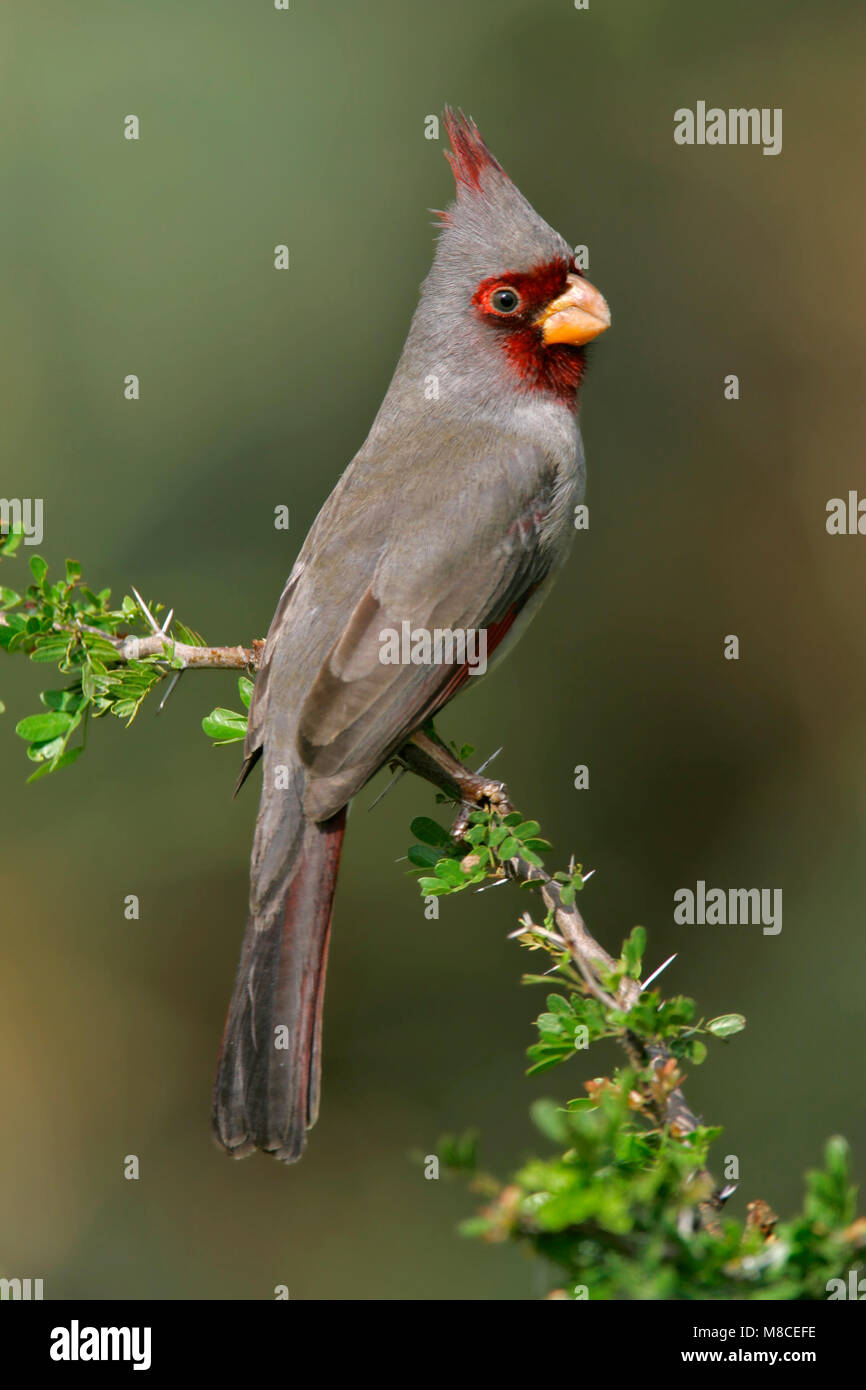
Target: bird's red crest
pixel 469 157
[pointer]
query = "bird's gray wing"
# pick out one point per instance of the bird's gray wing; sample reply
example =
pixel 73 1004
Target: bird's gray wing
pixel 476 571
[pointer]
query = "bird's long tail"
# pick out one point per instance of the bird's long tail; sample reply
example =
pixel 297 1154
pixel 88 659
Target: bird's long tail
pixel 266 1094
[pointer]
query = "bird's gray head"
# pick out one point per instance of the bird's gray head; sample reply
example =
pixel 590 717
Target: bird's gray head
pixel 504 305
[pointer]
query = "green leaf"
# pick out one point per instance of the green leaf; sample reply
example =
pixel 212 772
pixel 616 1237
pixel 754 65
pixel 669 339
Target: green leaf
pixel 100 647
pixel 124 709
pixel 551 1026
pixel 527 830
pixel 51 650
pixel 551 1119
pixel 245 690
pixel 433 887
pixel 225 725
pixel 531 857
pixel 38 728
pixel 63 761
pixel 545 1063
pixel 71 699
pixel 459 1151
pixel 188 636
pixel 48 750
pixel 429 832
pixel 837 1157
pixel 633 951
pixel 450 872
pixel 8 597
pixel 73 571
pixel 726 1025
pixel 10 543
pixel 39 569
pixel 557 1005
pixel 424 856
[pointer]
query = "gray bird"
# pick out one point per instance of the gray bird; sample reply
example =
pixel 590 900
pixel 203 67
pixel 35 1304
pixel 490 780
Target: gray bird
pixel 454 515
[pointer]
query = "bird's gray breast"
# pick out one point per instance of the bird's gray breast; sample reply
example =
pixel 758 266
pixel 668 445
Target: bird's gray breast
pixel 554 431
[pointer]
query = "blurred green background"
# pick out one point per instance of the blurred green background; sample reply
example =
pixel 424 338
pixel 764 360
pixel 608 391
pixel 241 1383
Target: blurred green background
pixel 707 518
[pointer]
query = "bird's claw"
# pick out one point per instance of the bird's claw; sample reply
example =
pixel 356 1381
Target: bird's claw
pixel 488 796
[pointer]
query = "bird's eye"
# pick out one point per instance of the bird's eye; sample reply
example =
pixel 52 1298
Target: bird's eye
pixel 505 301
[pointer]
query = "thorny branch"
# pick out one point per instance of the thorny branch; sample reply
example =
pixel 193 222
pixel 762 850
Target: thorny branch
pixel 160 643
pixel 432 761
pixel 429 759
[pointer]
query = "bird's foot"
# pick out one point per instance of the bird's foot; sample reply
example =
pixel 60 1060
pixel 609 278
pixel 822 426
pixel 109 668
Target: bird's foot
pixel 488 796
pixel 430 759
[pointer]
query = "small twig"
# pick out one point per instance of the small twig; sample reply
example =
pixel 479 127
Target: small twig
pixel 183 654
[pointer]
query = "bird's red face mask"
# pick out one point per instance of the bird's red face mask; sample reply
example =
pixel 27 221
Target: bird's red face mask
pixel 544 314
pixel 546 317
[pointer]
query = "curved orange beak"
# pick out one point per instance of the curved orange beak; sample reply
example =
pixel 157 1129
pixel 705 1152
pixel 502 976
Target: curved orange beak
pixel 575 317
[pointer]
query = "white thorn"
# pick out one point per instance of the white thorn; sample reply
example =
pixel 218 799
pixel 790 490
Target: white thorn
pixel 488 761
pixel 393 782
pixel 146 611
pixel 654 976
pixel 497 883
pixel 538 931
pixel 172 684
